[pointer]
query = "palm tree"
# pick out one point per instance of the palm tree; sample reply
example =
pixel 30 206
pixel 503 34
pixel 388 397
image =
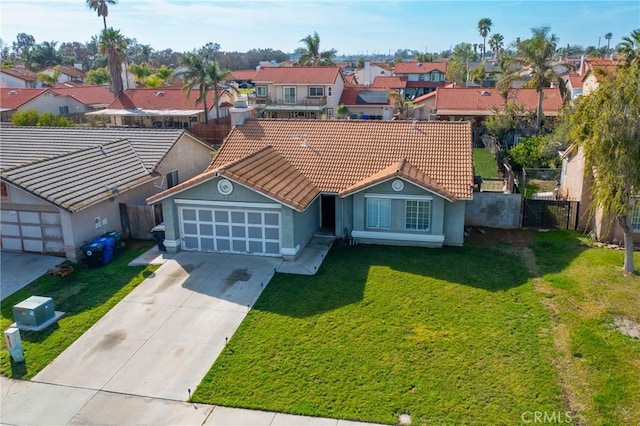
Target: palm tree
pixel 484 28
pixel 496 43
pixel 608 37
pixel 310 53
pixel 629 48
pixel 203 75
pixel 216 76
pixel 113 45
pixel 539 51
pixel 140 72
pixel 49 79
pixel 101 7
pixel 478 73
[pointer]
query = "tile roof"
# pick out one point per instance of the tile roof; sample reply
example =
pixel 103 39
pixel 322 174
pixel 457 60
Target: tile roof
pixel 21 73
pixel 23 145
pixel 335 155
pixel 360 95
pixel 389 82
pixel 243 74
pixel 103 171
pixel 479 101
pixel 87 95
pixel 416 84
pixel 298 75
pixel 159 99
pixel 419 67
pixel 575 80
pixel 67 70
pixel 14 98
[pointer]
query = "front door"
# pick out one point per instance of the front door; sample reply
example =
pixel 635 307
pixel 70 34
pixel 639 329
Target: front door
pixel 328 213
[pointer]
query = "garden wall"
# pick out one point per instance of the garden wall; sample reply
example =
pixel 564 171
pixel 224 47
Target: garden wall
pixel 494 210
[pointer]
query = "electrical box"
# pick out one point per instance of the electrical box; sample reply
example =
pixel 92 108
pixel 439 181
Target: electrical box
pixel 34 311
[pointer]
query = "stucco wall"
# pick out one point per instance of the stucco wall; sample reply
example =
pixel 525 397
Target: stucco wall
pixel 494 210
pixel 187 156
pixel 48 102
pixel 454 214
pixel 305 223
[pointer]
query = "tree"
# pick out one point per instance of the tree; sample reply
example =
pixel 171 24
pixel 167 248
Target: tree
pixel 98 76
pixel 608 37
pixel 27 117
pixel 49 79
pixel 101 7
pixel 478 73
pixel 310 54
pixel 484 28
pixel 629 48
pixel 403 106
pixel 153 81
pixel 112 45
pixel 606 124
pixel 539 52
pixel 203 75
pixel 140 72
pixel 46 54
pixel 342 111
pixel 496 44
pixel 24 47
pixel 48 119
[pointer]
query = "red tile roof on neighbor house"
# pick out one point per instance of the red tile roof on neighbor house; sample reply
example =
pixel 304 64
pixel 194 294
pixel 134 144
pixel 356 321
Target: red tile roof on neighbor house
pixel 419 67
pixel 97 96
pixel 298 75
pixel 160 98
pixel 575 81
pixel 389 82
pixel 479 101
pixel 344 156
pixel 12 98
pixel 72 72
pixel 243 75
pixel 357 95
pixel 20 73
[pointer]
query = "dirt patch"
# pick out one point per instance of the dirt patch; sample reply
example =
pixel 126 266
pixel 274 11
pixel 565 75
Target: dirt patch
pixel 493 236
pixel 627 327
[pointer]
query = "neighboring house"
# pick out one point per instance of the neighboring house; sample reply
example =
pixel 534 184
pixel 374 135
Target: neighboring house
pixel 163 107
pixel 67 74
pixel 298 92
pixel 62 187
pixel 464 103
pixel 243 76
pixel 574 84
pixel 594 72
pixel 42 100
pixel 575 184
pixel 422 77
pixel 367 103
pixel 93 98
pixel 19 78
pixel 365 76
pixel 276 183
pixel 399 84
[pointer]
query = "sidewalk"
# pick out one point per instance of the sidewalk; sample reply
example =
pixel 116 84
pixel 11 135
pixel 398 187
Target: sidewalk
pixel 30 403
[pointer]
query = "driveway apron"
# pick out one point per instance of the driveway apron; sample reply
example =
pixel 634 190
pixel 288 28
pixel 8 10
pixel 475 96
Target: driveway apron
pixel 162 338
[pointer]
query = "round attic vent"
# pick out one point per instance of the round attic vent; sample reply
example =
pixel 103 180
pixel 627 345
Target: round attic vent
pixel 397 185
pixel 225 187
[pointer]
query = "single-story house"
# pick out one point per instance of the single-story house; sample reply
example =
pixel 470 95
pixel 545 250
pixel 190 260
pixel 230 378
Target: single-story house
pixel 14 100
pixel 67 74
pixel 93 98
pixel 167 107
pixel 575 184
pixel 62 187
pixel 274 184
pixel 19 78
pixel 367 103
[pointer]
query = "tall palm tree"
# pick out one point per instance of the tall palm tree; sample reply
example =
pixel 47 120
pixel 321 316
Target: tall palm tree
pixel 310 53
pixel 100 6
pixel 113 45
pixel 629 48
pixel 608 37
pixel 203 75
pixel 216 76
pixel 484 28
pixel 539 52
pixel 496 43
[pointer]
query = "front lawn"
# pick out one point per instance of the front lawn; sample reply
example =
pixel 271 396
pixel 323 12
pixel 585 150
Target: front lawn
pixel 448 336
pixel 86 295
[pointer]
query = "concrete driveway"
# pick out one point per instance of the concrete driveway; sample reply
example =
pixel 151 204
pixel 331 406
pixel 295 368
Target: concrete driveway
pixel 164 336
pixel 19 269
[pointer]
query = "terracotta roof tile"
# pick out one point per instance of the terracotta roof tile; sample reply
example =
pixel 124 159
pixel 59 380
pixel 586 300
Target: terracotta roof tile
pixel 419 67
pixel 575 80
pixel 160 98
pixel 67 70
pixel 87 95
pixel 392 82
pixel 337 154
pixel 243 74
pixel 20 73
pixel 297 75
pixel 12 98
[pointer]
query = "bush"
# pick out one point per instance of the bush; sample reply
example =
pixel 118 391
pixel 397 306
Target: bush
pixel 28 117
pixel 31 117
pixel 535 152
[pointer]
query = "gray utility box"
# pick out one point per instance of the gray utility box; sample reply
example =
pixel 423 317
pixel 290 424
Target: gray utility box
pixel 34 311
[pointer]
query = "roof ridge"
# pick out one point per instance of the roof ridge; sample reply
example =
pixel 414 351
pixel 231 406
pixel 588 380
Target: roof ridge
pixel 247 157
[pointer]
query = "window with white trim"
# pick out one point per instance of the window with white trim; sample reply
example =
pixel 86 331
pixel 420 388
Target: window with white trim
pixel 435 76
pixel 316 91
pixel 417 214
pixel 635 216
pixel 261 91
pixel 330 91
pixel 378 213
pixel 289 95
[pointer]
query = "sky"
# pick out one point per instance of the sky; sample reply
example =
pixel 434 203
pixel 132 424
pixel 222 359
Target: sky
pixel 352 27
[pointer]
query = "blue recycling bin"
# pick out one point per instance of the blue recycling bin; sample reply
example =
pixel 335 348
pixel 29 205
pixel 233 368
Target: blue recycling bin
pixel 109 247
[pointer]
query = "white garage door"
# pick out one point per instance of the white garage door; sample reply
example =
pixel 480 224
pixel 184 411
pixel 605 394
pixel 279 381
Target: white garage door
pixel 230 230
pixel 39 232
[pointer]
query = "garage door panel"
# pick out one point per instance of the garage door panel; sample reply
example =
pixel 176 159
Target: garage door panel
pixel 31 231
pixel 9 216
pixel 29 217
pixel 33 245
pixel 34 231
pixel 51 219
pixel 11 243
pixel 52 232
pixel 230 230
pixel 10 230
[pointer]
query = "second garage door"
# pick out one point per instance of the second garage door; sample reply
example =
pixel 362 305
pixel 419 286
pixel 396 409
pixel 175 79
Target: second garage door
pixel 230 230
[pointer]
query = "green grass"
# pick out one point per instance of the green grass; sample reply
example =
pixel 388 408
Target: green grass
pixel 484 163
pixel 86 295
pixel 449 336
pixel 600 366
